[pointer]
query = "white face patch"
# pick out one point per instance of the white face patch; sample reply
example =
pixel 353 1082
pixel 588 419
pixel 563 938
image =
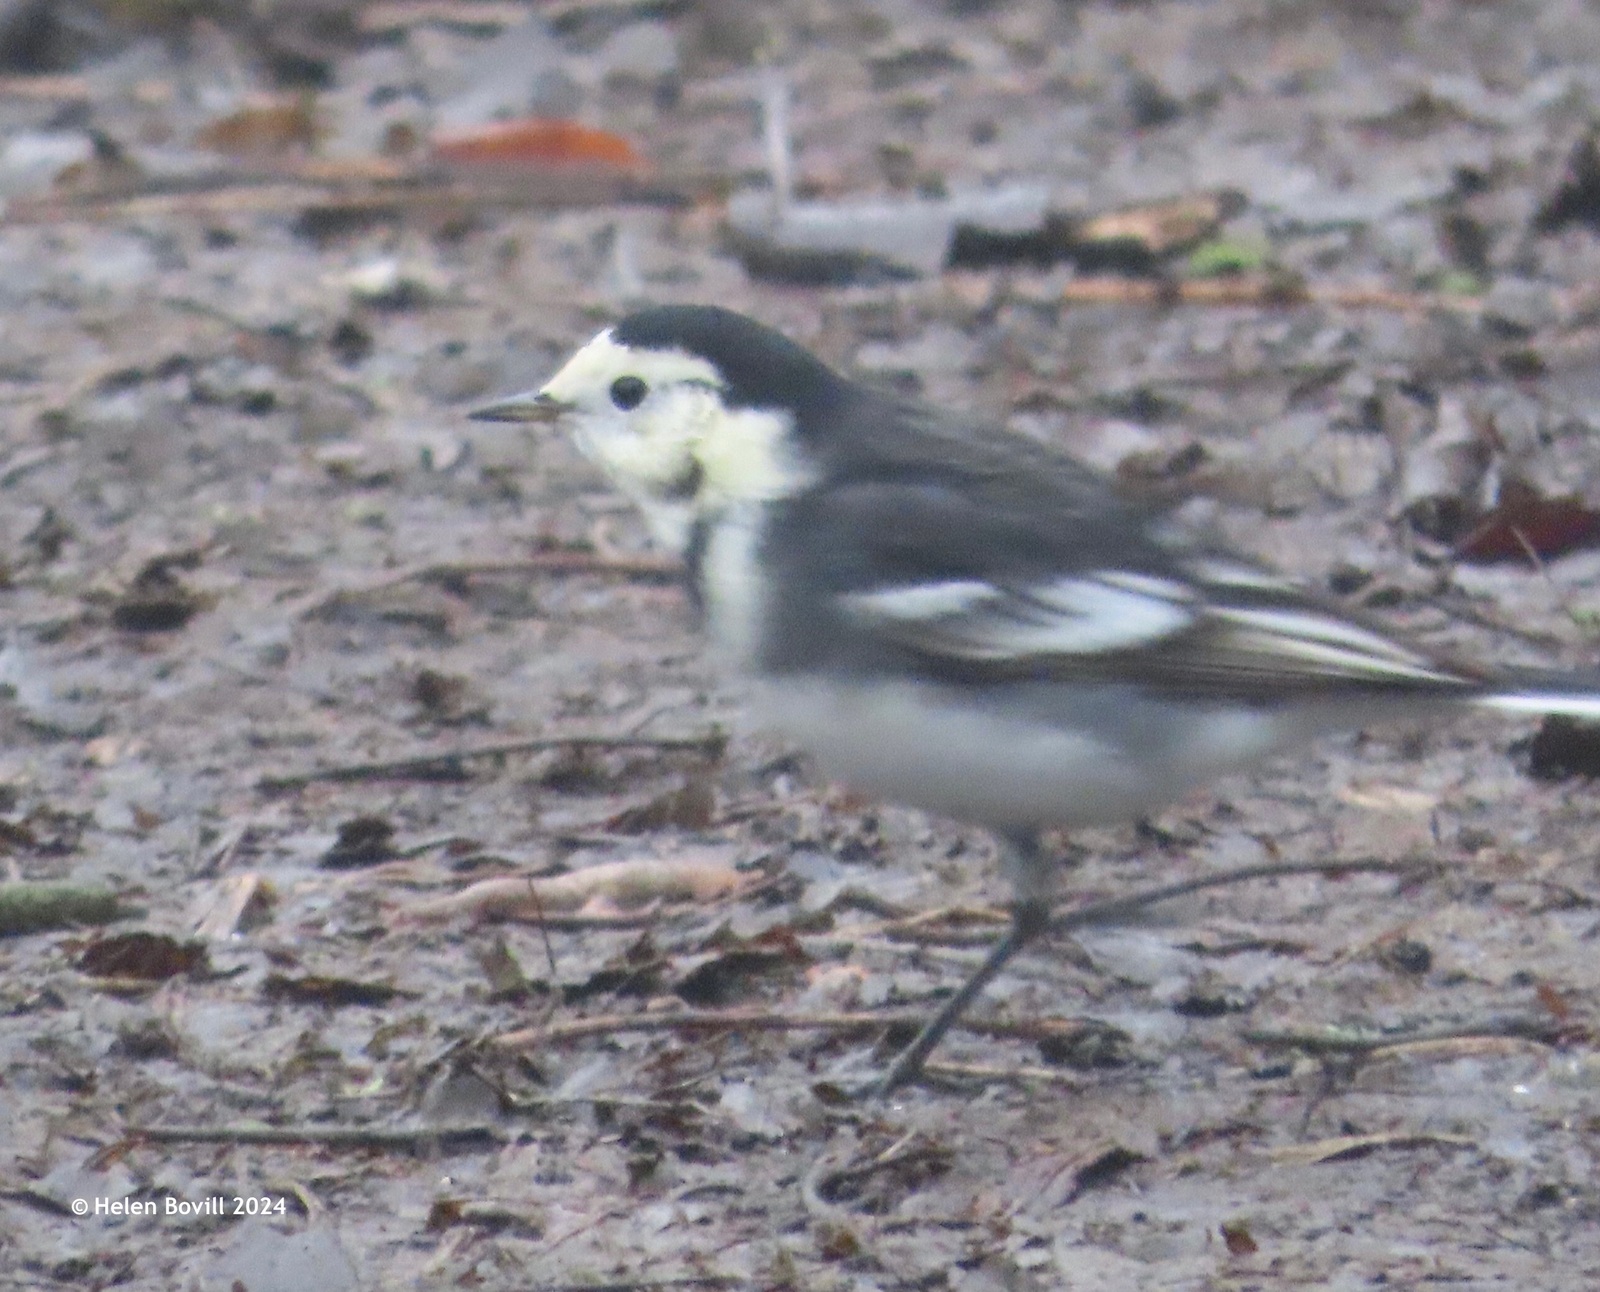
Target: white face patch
pixel 587 376
pixel 680 452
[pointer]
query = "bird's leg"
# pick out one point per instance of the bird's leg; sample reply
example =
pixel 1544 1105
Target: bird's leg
pixel 1030 916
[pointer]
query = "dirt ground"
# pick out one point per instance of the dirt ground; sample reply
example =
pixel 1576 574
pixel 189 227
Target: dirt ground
pixel 247 533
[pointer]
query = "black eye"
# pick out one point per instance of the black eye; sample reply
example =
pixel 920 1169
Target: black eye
pixel 628 392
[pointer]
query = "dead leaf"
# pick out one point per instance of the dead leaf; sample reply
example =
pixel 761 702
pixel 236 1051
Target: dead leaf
pixel 1577 198
pixel 108 750
pixel 536 142
pixel 1236 1234
pixel 108 172
pixel 1564 747
pixel 729 975
pixel 263 129
pixel 1527 526
pixel 439 695
pixel 321 989
pixel 148 957
pixel 503 971
pixel 362 841
pixel 1555 1002
pixel 1102 1168
pixel 692 806
pixel 157 600
pixel 1380 797
pixel 1156 229
pixel 1442 473
pixel 620 885
pixel 1346 1148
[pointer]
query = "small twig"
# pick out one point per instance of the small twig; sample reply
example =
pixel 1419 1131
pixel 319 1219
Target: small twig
pixel 1104 912
pixel 1115 908
pixel 776 138
pixel 762 1020
pixel 448 762
pixel 1000 1072
pixel 713 1282
pixel 556 561
pixel 1352 1041
pixel 384 19
pixel 723 1020
pixel 1261 289
pixel 924 928
pixel 44 89
pixel 545 1103
pixel 412 1139
pixel 1468 613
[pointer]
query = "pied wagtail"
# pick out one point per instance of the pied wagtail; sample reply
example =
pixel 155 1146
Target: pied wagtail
pixel 953 617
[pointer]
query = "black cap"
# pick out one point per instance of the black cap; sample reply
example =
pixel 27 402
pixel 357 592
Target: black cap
pixel 760 368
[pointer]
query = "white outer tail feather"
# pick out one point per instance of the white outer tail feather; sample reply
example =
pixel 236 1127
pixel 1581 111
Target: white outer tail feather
pixel 1577 704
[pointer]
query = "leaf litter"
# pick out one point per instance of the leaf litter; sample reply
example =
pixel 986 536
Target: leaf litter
pixel 1325 278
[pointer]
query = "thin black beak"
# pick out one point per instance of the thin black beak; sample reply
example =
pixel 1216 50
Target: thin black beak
pixel 532 406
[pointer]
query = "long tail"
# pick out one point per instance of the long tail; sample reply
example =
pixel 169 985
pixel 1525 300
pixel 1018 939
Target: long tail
pixel 1572 695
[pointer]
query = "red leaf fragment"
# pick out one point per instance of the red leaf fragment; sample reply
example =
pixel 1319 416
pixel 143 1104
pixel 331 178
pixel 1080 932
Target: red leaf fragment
pixel 1525 525
pixel 1554 1002
pixel 536 142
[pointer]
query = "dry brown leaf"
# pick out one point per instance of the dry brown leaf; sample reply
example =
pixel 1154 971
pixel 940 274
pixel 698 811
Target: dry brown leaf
pixel 148 957
pixel 618 885
pixel 1161 227
pixel 262 129
pixel 1236 1234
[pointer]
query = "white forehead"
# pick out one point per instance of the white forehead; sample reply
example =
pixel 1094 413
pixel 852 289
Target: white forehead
pixel 603 360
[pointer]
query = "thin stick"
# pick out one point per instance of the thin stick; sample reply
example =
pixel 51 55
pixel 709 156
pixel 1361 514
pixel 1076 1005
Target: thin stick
pixel 561 561
pixel 1544 1031
pixel 999 1072
pixel 752 1020
pixel 1115 908
pixel 448 762
pixel 1257 290
pixel 411 1139
pixel 553 562
pixel 737 1020
pixel 762 1020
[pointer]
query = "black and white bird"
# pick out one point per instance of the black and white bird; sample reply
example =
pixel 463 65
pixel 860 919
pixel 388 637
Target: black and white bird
pixel 952 617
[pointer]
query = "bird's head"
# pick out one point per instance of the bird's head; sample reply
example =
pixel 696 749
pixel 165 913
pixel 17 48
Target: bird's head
pixel 689 410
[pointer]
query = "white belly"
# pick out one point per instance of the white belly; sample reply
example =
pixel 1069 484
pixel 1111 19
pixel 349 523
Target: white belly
pixel 926 747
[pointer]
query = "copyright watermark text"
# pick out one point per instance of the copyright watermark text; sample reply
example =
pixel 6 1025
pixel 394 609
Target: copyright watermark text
pixel 176 1208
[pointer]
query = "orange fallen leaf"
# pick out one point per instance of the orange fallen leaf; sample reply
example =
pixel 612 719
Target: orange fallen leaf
pixel 536 141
